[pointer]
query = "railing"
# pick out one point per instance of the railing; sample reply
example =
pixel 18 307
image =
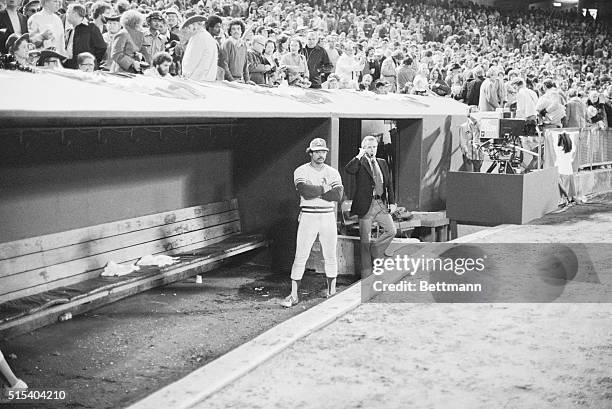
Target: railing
pixel 594 148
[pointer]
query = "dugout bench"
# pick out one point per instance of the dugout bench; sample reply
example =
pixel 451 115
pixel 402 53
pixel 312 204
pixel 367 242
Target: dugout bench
pixel 43 277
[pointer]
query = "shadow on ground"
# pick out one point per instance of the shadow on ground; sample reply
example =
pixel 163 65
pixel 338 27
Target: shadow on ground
pixel 118 354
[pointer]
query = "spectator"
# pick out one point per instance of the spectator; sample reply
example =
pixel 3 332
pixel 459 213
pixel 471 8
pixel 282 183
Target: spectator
pixel 113 26
pixel 348 67
pixel 51 59
pixel 473 87
pixel 161 65
pixel 173 20
pixel 31 8
pixel 100 11
pixel 18 46
pixel 13 21
pixel 575 111
pixel 526 100
pixel 154 41
pixel 200 59
pixel 437 84
pixel 405 75
pixel 316 59
pixel 213 26
pixel 367 83
pixel 46 28
pixel 236 52
pixel 258 65
pixel 596 112
pixel 372 64
pixel 83 37
pixel 388 69
pixel 294 61
pixel 489 97
pixel 549 105
pixel 331 50
pixel 270 56
pixel 86 62
pixel 128 51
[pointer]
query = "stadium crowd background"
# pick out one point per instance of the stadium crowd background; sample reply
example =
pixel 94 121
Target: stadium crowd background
pixel 556 65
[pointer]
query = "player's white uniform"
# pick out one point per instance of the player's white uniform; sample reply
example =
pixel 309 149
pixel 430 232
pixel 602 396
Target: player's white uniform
pixel 318 217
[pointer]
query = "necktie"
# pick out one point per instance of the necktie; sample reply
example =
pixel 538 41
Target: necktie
pixel 69 42
pixel 378 180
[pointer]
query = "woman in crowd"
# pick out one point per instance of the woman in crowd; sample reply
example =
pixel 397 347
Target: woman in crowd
pixel 18 46
pixel 269 54
pixel 437 84
pixel 128 48
pixel 294 62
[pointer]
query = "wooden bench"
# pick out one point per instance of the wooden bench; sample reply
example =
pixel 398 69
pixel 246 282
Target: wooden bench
pixel 60 272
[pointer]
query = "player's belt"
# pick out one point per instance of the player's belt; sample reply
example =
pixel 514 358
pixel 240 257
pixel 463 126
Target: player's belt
pixel 317 209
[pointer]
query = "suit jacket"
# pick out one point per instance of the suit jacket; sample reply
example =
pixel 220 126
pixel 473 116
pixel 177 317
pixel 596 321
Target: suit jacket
pixel 87 38
pixel 364 184
pixel 5 22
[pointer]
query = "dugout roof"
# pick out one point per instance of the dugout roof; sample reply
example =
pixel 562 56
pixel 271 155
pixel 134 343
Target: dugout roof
pixel 48 97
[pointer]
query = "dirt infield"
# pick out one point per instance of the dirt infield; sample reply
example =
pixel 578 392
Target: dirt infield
pixel 427 355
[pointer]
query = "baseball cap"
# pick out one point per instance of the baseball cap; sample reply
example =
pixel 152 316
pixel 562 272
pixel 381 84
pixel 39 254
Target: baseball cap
pixel 156 15
pixel 317 144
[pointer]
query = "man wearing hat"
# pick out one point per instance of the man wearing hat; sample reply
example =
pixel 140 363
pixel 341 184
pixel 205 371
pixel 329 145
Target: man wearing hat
pixel 13 21
pixel 200 59
pixel 51 59
pixel 113 26
pixel 154 40
pixel 30 8
pixel 173 19
pixel 319 186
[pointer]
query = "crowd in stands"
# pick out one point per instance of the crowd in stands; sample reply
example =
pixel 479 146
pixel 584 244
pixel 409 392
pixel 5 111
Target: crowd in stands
pixel 553 65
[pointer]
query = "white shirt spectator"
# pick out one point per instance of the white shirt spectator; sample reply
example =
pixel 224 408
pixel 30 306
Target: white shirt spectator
pixel 526 100
pixel 43 21
pixel 200 59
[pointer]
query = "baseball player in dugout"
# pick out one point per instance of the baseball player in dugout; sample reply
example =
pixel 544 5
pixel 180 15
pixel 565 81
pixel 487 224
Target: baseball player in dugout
pixel 319 186
pixel 373 201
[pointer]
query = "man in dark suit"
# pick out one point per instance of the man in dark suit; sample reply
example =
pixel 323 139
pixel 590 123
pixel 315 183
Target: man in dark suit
pixel 373 201
pixel 13 21
pixel 83 37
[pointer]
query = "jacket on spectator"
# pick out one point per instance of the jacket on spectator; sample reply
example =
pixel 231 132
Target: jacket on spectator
pixel 575 114
pixel 373 64
pixel 86 38
pixel 318 63
pixel 125 43
pixel 388 73
pixel 5 22
pixel 257 69
pixel 200 59
pixel 473 91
